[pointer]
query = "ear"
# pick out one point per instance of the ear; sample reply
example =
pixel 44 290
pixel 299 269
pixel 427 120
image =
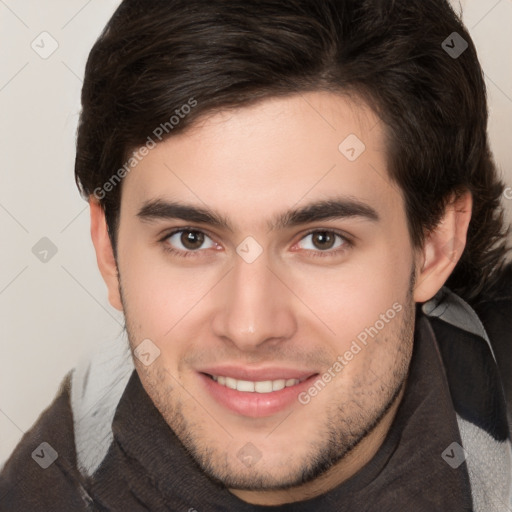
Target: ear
pixel 104 253
pixel 443 247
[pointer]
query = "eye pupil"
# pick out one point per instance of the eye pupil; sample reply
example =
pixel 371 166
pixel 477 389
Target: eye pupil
pixel 192 239
pixel 323 240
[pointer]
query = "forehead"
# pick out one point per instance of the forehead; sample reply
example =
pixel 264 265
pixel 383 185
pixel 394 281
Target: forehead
pixel 267 157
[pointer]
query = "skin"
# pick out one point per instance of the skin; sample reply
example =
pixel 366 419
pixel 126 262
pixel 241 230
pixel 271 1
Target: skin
pixel 298 305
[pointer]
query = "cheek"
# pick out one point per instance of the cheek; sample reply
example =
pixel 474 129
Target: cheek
pixel 356 294
pixel 158 296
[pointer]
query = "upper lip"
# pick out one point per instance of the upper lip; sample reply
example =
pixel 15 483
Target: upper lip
pixel 257 374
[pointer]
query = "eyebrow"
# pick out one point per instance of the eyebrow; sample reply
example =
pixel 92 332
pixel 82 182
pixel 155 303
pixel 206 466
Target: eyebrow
pixel 332 209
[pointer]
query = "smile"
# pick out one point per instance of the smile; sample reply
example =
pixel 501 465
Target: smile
pixel 255 394
pixel 248 386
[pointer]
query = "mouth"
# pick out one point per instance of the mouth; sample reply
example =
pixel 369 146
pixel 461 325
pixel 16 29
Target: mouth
pixel 265 394
pixel 261 386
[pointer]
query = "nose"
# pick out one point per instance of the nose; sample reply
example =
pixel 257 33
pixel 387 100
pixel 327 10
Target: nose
pixel 253 307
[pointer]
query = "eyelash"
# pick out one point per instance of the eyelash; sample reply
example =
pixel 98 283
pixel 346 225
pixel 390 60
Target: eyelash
pixel 347 243
pixel 176 252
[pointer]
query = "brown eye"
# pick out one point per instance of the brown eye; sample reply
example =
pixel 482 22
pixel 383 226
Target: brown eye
pixel 189 240
pixel 323 240
pixel 192 239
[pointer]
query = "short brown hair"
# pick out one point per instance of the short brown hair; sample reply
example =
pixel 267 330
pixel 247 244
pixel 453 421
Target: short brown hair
pixel 155 55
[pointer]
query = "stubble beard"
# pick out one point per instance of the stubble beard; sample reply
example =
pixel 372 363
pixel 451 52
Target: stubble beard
pixel 338 436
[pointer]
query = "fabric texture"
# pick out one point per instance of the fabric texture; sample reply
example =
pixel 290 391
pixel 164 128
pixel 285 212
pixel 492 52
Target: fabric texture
pixel 478 396
pixel 448 448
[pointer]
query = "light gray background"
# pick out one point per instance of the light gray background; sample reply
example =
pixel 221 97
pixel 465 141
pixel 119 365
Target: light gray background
pixel 53 313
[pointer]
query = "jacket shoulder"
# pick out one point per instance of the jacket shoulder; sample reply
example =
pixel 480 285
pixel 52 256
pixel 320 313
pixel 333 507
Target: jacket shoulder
pixel 41 473
pixel 495 312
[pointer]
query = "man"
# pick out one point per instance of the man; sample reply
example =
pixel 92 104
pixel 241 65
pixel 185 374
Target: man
pixel 294 205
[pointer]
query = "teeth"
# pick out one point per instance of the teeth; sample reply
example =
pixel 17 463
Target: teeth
pixel 278 384
pixel 247 386
pixel 230 383
pixel 263 387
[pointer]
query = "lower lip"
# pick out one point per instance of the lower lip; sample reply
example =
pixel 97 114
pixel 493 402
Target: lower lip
pixel 255 405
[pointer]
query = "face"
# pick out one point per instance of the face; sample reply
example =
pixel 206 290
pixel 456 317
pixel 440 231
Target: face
pixel 265 255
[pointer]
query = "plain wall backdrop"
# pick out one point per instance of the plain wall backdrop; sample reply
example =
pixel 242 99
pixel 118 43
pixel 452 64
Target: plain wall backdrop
pixel 54 311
